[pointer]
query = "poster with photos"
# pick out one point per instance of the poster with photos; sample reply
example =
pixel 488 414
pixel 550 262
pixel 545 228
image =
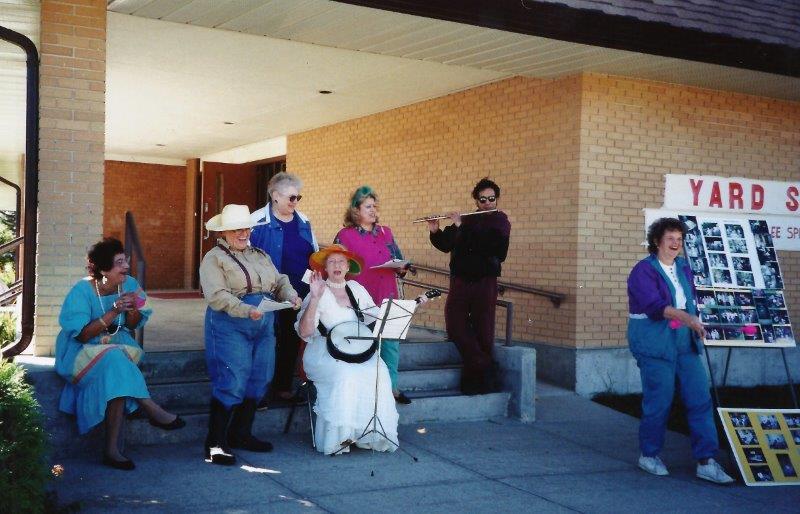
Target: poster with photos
pixel 738 281
pixel 766 444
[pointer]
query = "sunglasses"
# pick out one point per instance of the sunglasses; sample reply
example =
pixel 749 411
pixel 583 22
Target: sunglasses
pixel 484 199
pixel 295 198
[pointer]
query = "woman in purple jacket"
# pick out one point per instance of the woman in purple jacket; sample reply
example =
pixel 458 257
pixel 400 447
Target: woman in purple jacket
pixel 660 297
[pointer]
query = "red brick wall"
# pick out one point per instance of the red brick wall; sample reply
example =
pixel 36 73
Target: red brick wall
pixel 156 195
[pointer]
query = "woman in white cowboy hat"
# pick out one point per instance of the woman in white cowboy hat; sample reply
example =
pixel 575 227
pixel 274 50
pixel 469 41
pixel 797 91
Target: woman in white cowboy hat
pixel 239 338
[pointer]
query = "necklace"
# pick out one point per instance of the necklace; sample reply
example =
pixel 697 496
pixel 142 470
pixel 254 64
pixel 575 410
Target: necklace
pixel 336 285
pixel 118 318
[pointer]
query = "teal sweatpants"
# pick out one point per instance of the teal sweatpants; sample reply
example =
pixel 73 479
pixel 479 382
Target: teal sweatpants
pixel 390 353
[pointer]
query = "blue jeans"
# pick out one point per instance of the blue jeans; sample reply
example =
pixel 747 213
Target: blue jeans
pixel 658 388
pixel 240 354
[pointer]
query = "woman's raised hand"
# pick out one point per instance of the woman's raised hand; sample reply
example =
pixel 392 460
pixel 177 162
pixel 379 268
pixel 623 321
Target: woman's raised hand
pixel 317 284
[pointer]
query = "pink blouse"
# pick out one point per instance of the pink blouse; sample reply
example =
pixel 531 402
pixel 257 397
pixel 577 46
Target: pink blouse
pixel 375 247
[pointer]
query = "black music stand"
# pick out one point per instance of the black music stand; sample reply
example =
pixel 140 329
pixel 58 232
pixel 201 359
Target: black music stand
pixel 394 322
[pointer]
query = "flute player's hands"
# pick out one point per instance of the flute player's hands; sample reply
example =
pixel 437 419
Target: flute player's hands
pixel 433 226
pixel 456 217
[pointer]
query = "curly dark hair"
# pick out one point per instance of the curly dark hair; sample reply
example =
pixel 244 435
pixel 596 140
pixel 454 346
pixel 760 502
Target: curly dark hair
pixel 101 256
pixel 485 183
pixel 656 231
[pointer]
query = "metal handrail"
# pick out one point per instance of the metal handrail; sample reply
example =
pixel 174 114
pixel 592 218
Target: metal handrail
pixel 31 195
pixel 555 298
pixel 8 296
pixel 509 306
pixel 133 246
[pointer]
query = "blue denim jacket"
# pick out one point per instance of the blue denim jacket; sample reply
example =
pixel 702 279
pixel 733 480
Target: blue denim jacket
pixel 650 291
pixel 269 237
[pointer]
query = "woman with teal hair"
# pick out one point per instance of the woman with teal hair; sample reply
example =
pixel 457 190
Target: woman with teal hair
pixel 375 244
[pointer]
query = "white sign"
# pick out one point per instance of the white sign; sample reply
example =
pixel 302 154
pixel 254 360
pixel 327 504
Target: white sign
pixel 739 195
pixel 785 230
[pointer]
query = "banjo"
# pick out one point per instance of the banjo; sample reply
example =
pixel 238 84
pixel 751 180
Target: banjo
pixel 352 341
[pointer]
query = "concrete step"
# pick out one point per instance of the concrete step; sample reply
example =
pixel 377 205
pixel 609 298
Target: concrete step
pixel 190 366
pixel 191 397
pixel 442 407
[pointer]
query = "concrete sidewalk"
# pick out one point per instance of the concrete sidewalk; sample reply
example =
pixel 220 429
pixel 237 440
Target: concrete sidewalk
pixel 577 457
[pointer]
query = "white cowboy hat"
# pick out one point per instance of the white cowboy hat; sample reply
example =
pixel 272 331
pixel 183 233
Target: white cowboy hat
pixel 232 217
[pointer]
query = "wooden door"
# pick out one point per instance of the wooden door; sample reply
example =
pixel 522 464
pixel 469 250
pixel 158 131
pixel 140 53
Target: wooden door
pixel 223 184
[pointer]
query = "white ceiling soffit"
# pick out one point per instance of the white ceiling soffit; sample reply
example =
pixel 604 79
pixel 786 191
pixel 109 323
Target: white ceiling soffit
pixel 176 85
pixel 327 23
pixel 20 16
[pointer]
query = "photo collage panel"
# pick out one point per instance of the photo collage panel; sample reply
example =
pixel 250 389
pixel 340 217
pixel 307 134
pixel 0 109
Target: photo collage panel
pixel 741 317
pixel 732 262
pixel 766 444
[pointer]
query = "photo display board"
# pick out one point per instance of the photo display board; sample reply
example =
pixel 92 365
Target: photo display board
pixel 766 443
pixel 739 282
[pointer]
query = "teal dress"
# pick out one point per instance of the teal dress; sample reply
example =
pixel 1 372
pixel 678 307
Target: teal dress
pixel 113 374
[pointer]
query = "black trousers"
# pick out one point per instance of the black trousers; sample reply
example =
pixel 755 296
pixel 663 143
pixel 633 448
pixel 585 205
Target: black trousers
pixel 286 348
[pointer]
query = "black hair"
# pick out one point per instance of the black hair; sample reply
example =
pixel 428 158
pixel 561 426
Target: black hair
pixel 485 183
pixel 659 227
pixel 101 256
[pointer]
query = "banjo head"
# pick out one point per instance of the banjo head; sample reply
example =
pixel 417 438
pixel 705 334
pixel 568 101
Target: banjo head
pixel 353 339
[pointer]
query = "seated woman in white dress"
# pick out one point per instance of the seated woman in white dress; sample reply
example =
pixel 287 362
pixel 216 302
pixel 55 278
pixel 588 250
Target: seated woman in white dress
pixel 345 391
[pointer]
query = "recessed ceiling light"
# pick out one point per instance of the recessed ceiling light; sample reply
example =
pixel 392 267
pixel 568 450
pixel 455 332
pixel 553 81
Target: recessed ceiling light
pixel 160 144
pixel 324 92
pixel 228 122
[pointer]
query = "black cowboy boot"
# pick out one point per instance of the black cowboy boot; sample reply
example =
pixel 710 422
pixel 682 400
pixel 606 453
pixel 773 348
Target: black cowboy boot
pixel 216 448
pixel 240 435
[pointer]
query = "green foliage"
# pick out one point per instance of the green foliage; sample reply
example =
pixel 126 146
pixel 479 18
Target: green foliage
pixel 7 233
pixel 24 473
pixel 8 329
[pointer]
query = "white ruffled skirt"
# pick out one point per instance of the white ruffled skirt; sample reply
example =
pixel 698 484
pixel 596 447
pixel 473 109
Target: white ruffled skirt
pixel 346 400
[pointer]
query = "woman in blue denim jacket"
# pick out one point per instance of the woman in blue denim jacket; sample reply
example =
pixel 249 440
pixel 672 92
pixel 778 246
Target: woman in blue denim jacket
pixel 285 234
pixel 664 335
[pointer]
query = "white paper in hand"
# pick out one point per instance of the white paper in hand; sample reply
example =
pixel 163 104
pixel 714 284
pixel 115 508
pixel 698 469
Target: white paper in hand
pixel 392 264
pixel 268 305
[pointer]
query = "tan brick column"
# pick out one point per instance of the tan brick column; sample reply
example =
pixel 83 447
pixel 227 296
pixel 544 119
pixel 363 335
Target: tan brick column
pixel 72 121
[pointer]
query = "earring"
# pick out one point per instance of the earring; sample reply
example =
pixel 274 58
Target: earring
pixel 105 280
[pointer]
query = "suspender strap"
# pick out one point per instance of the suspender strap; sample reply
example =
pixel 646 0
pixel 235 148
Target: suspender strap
pixel 237 261
pixel 360 315
pixel 354 303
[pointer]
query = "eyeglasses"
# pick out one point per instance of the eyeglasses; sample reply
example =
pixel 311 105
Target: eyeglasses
pixel 484 199
pixel 122 261
pixel 293 198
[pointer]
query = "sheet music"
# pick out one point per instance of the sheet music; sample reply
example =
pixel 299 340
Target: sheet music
pixel 268 305
pixel 398 320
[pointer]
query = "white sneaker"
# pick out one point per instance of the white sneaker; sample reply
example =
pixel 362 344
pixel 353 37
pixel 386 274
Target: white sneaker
pixel 713 472
pixel 653 465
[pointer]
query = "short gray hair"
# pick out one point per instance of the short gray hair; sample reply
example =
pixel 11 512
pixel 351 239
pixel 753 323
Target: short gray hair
pixel 282 180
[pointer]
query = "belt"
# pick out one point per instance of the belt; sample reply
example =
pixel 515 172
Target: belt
pixel 637 316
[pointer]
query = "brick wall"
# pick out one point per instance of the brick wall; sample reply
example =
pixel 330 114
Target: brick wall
pixel 156 195
pixel 633 132
pixel 577 158
pixel 72 121
pixel 425 158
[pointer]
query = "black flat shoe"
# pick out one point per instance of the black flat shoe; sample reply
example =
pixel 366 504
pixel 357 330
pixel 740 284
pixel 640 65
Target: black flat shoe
pixel 123 465
pixel 175 424
pixel 402 399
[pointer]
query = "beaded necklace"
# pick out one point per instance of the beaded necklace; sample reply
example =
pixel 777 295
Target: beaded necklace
pixel 118 318
pixel 335 285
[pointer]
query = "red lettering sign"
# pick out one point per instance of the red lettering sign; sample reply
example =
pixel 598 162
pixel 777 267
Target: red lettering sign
pixel 756 197
pixel 735 194
pixel 792 193
pixel 716 196
pixel 695 185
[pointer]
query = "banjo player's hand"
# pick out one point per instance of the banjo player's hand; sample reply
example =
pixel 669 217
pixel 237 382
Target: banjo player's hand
pixel 297 303
pixel 255 314
pixel 317 285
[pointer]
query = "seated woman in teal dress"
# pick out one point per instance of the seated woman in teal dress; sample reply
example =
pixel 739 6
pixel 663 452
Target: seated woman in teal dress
pixel 97 355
